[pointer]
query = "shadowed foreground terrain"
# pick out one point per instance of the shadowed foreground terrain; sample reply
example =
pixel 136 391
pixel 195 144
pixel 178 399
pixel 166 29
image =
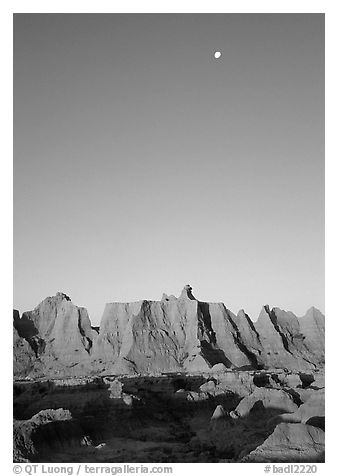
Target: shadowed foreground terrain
pixel 226 416
pixel 175 380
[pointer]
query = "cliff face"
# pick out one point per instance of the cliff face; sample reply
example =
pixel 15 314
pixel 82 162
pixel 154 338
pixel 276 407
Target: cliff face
pixel 59 334
pixel 147 336
pixel 289 341
pixel 312 327
pixel 23 354
pixel 171 335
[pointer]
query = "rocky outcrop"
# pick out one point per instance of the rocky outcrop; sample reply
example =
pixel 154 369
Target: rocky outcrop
pixel 282 341
pixel 26 432
pixel 171 335
pixel 23 354
pixel 311 412
pixel 269 399
pixel 240 383
pixel 312 327
pixel 177 334
pixel 290 443
pixel 58 334
pixel 313 407
pixel 146 336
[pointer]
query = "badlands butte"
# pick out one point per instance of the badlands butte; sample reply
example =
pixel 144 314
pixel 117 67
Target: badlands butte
pixel 176 380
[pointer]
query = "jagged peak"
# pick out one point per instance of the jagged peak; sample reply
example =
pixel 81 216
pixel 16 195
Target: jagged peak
pixel 165 297
pixel 187 293
pixel 313 310
pixel 58 298
pixel 265 311
pixel 62 296
pixel 16 315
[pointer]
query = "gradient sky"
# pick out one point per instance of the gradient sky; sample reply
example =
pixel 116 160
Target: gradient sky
pixel 142 164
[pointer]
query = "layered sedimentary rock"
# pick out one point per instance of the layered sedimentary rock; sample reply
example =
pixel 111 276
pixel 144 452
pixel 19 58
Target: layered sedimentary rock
pixel 147 336
pixel 312 327
pixel 23 354
pixel 58 333
pixel 294 443
pixel 289 341
pixel 171 335
pixel 168 335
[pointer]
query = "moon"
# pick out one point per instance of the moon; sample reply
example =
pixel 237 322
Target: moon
pixel 217 54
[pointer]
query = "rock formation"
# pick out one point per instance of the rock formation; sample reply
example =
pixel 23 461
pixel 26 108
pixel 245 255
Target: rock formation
pixel 312 327
pixel 23 353
pixel 176 380
pixel 171 335
pixel 45 425
pixel 294 443
pixel 282 341
pixel 59 336
pixel 170 418
pixel 269 398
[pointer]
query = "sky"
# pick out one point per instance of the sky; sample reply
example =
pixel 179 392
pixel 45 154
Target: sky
pixel 142 163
